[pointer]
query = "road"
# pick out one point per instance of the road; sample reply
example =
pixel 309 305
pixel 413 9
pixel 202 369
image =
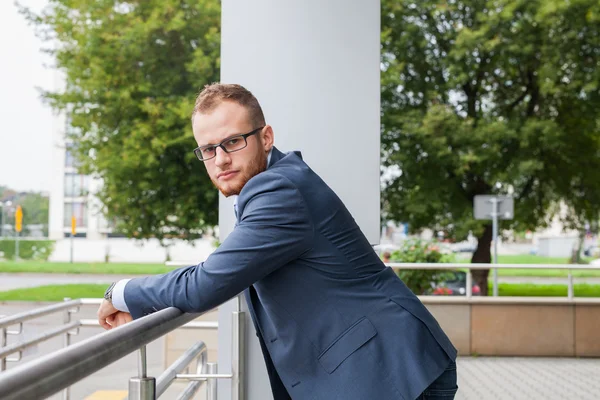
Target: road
pixel 10 281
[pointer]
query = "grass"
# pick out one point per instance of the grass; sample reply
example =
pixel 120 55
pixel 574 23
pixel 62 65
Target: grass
pixel 54 292
pixel 83 268
pixel 528 289
pixel 534 259
pixel 75 291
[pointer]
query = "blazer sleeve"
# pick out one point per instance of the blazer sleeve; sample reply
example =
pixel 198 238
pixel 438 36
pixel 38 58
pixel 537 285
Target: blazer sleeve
pixel 274 228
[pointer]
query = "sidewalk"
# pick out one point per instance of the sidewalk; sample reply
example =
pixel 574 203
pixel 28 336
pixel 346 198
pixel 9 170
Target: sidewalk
pixel 528 378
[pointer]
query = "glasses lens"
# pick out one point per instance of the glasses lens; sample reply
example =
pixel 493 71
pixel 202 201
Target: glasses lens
pixel 205 153
pixel 235 143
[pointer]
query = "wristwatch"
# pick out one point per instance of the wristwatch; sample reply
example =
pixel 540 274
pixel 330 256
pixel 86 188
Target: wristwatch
pixel 109 292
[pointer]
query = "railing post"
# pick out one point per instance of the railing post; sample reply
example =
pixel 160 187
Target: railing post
pixel 237 352
pixel 67 343
pixel 142 387
pixel 469 284
pixel 3 343
pixel 211 383
pixel 570 291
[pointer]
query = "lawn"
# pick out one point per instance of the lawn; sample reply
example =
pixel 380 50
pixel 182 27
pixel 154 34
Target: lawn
pixel 75 291
pixel 54 292
pixel 83 268
pixel 527 289
pixel 533 259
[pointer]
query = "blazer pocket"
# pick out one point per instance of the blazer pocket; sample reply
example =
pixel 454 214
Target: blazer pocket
pixel 347 343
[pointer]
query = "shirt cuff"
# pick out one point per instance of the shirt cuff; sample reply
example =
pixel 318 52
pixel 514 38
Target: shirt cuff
pixel 118 295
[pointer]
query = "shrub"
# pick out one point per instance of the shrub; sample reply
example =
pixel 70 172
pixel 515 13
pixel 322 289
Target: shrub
pixel 38 250
pixel 420 281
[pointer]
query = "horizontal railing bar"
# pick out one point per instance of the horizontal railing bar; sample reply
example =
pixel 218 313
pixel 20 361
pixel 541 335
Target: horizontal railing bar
pixel 490 266
pixel 166 378
pixel 89 322
pixel 5 351
pixel 42 377
pixel 189 325
pixel 39 312
pixel 201 325
pixel 201 377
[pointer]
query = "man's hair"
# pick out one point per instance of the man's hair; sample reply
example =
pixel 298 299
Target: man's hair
pixel 214 94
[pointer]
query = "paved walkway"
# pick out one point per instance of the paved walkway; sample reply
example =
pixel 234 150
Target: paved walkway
pixel 10 281
pixel 528 378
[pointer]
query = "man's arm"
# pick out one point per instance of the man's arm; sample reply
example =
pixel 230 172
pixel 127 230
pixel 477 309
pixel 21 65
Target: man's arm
pixel 275 228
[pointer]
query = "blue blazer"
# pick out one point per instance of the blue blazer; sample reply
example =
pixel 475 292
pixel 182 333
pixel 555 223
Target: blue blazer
pixel 333 321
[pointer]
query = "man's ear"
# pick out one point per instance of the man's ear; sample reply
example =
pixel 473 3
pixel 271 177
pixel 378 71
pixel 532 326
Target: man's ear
pixel 268 138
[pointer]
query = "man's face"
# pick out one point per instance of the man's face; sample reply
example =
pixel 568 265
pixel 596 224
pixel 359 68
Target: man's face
pixel 229 172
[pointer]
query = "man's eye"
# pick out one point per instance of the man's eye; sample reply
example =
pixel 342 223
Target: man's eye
pixel 233 142
pixel 208 151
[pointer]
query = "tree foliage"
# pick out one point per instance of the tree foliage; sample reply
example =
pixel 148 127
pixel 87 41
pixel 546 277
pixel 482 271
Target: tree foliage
pixel 490 97
pixel 132 70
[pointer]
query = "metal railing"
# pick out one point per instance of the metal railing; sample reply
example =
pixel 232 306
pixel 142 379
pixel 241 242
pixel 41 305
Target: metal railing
pixel 57 371
pixel 469 267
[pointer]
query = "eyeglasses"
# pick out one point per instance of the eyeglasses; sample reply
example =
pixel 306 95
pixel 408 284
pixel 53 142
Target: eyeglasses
pixel 229 145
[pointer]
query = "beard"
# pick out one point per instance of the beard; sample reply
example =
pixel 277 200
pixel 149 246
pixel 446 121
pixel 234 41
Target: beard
pixel 255 167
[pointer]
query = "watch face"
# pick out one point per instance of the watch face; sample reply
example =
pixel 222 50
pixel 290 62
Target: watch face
pixel 108 293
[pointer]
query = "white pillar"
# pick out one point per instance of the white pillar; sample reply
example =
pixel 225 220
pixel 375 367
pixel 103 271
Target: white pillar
pixel 56 224
pixel 314 67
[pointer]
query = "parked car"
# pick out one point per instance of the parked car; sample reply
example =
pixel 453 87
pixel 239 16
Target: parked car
pixel 455 285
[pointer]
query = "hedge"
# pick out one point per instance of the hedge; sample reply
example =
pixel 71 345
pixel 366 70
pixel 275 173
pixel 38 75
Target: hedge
pixel 38 250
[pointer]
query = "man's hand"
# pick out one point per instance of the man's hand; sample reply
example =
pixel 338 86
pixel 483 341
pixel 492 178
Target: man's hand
pixel 106 311
pixel 118 319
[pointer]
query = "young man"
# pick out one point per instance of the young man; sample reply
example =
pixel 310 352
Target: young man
pixel 332 320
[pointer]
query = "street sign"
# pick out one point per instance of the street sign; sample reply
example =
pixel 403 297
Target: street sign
pixel 483 206
pixel 73 225
pixel 494 208
pixel 19 219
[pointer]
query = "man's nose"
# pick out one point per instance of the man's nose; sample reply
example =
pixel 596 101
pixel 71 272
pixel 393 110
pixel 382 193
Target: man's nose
pixel 222 157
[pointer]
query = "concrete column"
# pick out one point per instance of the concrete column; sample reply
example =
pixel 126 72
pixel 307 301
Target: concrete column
pixel 314 67
pixel 57 185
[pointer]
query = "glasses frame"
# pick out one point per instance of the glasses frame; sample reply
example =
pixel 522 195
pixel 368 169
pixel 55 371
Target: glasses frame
pixel 198 150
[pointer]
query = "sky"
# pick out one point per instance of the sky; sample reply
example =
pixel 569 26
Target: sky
pixel 26 124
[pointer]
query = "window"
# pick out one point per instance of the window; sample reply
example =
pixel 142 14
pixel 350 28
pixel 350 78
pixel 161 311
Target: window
pixel 75 185
pixel 70 160
pixel 79 210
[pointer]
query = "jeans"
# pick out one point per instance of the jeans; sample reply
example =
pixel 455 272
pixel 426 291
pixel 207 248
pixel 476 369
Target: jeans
pixel 444 387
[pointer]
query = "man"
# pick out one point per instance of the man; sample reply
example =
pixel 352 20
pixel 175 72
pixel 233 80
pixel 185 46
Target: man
pixel 333 322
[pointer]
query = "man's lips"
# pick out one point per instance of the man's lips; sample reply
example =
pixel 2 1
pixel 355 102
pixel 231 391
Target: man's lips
pixel 226 174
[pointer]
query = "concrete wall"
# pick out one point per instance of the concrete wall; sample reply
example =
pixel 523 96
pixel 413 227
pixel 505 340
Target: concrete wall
pixel 551 327
pixel 544 327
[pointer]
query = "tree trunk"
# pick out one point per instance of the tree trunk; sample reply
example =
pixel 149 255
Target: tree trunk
pixel 576 252
pixel 483 255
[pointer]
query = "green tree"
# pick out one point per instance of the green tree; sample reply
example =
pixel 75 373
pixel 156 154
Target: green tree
pixel 490 97
pixel 35 210
pixel 132 70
